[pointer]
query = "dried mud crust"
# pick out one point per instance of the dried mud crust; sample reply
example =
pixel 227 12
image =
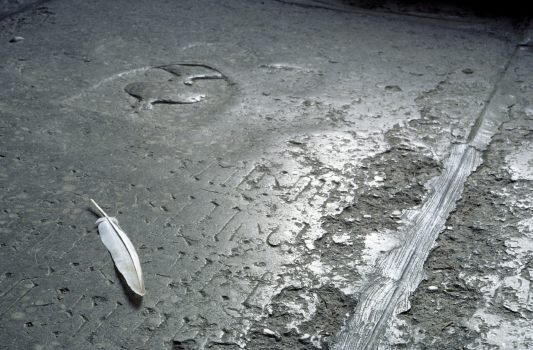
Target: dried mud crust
pixel 376 209
pixel 327 305
pixel 384 186
pixel 466 272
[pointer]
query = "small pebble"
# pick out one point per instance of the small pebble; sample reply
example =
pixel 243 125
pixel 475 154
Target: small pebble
pixel 367 216
pixel 378 178
pixel 16 39
pixel 433 288
pixel 396 213
pixel 305 339
pixel 271 333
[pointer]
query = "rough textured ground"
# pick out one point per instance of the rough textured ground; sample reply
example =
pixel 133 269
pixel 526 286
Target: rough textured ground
pixel 479 275
pixel 259 173
pixel 478 290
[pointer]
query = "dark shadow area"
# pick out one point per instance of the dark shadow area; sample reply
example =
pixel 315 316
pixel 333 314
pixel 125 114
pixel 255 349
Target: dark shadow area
pixel 9 8
pixel 133 299
pixel 456 8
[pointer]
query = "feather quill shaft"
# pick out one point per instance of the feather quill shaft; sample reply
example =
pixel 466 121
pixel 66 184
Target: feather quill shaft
pixel 122 250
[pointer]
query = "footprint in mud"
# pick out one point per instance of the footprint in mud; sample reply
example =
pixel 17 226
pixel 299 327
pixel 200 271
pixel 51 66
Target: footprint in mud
pixel 178 89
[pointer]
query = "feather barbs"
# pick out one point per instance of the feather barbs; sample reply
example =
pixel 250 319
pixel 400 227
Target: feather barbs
pixel 122 251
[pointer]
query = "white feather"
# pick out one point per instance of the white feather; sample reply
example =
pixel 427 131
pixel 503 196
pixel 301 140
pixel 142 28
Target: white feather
pixel 122 251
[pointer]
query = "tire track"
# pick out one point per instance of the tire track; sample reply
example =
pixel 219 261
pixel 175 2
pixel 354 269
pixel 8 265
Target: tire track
pixel 397 275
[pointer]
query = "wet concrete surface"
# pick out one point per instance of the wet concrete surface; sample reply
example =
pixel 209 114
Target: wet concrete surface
pixel 267 159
